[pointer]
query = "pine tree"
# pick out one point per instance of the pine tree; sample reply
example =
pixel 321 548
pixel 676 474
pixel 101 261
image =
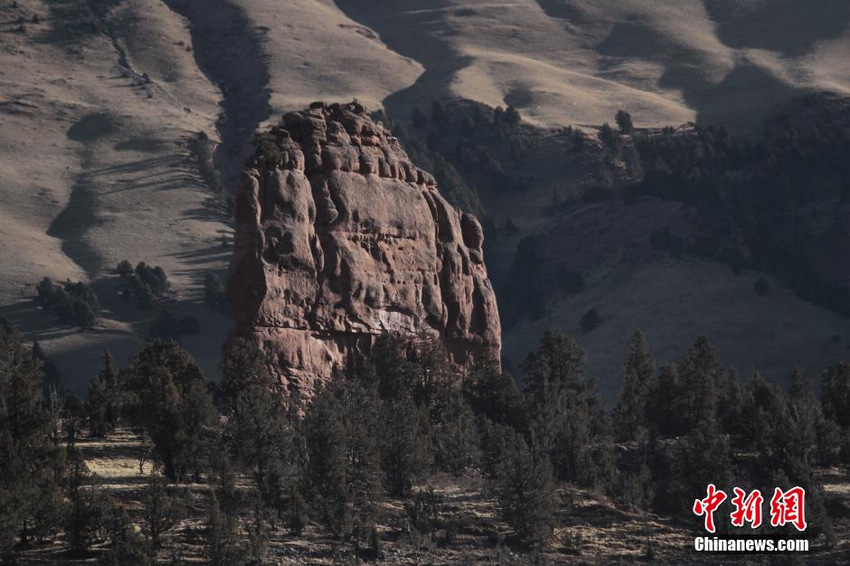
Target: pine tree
pixel 624 122
pixel 639 379
pixel 344 458
pixel 456 436
pixel 730 404
pixel 702 457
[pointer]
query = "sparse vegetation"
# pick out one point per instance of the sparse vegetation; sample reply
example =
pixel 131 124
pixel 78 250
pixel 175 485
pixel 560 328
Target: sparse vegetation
pixel 143 284
pixel 73 303
pixel 269 467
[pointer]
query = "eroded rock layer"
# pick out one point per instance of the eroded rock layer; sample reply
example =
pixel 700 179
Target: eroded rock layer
pixel 339 239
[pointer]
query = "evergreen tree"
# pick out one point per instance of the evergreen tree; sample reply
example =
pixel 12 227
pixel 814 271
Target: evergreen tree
pixel 664 412
pixel 344 458
pixel 88 507
pixel 495 395
pixel 456 436
pixel 690 464
pixel 406 453
pixel 126 546
pixel 104 401
pixel 526 492
pixel 161 512
pixel 560 406
pixel 221 545
pixel 730 404
pixel 256 425
pixel 558 361
pixel 171 402
pixel 699 373
pixel 624 122
pixel 327 442
pixel 27 453
pixel 397 377
pixel 630 413
pixel 835 394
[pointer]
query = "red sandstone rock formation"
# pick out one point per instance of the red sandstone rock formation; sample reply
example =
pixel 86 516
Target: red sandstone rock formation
pixel 340 238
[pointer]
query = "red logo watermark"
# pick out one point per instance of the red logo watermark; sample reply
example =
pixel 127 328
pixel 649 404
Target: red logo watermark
pixel 786 507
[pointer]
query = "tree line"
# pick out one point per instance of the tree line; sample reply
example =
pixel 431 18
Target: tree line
pixel 382 430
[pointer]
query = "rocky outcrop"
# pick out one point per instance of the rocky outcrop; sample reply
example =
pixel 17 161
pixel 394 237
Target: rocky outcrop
pixel 339 239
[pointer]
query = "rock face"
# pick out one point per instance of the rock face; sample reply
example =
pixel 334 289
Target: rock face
pixel 339 239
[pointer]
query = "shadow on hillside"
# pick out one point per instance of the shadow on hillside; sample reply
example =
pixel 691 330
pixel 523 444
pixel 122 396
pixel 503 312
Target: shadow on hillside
pixel 410 34
pixel 789 27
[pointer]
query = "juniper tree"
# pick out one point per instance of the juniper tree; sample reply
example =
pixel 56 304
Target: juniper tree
pixel 406 453
pixel 161 511
pixel 27 453
pixel 639 379
pixel 494 395
pixel 171 402
pixel 624 121
pixel 526 494
pixel 835 394
pixel 104 401
pixel 221 543
pixel 256 427
pixel 88 506
pixel 126 546
pixel 699 373
pixel 560 406
pixel 663 416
